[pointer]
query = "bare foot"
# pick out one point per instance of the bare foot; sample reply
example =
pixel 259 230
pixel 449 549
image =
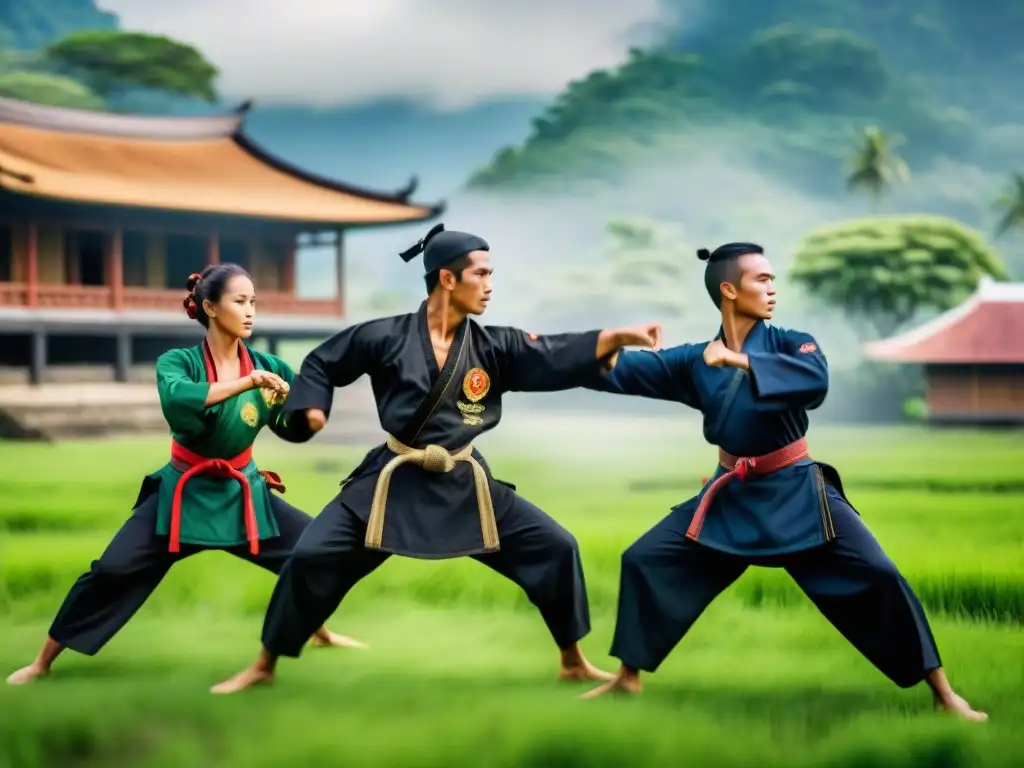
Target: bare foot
pixel 324 638
pixel 27 674
pixel 957 705
pixel 621 683
pixel 576 668
pixel 582 671
pixel 257 674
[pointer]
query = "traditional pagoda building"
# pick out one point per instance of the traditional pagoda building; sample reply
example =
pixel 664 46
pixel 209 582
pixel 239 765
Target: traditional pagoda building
pixel 103 217
pixel 973 357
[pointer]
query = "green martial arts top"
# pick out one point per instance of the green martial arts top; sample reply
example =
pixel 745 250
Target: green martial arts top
pixel 214 501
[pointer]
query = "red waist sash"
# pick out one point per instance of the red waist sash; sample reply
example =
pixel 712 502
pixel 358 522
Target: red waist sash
pixel 743 467
pixel 194 464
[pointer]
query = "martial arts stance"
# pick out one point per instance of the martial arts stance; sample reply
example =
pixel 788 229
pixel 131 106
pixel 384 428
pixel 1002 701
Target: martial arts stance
pixel 438 378
pixel 216 397
pixel 768 503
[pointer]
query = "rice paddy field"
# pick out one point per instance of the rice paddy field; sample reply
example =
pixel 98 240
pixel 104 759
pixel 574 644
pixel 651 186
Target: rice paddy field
pixel 460 669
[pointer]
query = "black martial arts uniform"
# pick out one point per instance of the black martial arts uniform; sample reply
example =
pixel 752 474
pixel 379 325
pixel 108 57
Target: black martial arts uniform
pixel 432 507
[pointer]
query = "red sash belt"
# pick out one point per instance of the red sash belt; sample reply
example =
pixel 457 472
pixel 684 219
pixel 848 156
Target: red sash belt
pixel 743 467
pixel 224 468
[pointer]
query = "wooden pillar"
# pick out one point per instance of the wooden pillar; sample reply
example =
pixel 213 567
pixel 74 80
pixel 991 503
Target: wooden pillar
pixel 975 389
pixel 339 268
pixel 123 362
pixel 32 272
pixel 929 391
pixel 288 278
pixel 72 262
pixel 37 363
pixel 115 268
pixel 213 248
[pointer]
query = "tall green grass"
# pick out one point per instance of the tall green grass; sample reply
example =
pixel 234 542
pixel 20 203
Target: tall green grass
pixel 962 551
pixel 460 672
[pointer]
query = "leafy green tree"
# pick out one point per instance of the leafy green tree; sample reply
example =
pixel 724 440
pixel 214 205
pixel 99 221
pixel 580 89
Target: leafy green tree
pixel 51 90
pixel 111 62
pixel 1012 206
pixel 589 127
pixel 886 269
pixel 21 78
pixel 875 167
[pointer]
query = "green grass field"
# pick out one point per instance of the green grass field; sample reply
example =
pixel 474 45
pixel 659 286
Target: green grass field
pixel 461 670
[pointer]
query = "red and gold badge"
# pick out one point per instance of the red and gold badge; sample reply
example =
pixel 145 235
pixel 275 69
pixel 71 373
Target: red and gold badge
pixel 476 385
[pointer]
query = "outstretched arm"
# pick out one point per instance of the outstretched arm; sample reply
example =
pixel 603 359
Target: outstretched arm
pixel 663 375
pixel 555 362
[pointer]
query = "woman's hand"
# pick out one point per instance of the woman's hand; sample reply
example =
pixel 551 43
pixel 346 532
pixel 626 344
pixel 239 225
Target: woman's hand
pixel 267 380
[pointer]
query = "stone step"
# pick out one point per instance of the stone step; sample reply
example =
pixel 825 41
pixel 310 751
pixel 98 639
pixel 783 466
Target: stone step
pixel 63 411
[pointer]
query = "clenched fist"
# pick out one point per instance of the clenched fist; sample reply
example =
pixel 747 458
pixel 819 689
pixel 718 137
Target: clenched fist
pixel 316 419
pixel 267 380
pixel 647 335
pixel 716 354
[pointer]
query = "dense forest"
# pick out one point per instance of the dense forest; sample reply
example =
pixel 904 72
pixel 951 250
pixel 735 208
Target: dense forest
pixel 792 82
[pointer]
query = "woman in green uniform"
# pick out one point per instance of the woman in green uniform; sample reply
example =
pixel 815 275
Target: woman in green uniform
pixel 216 397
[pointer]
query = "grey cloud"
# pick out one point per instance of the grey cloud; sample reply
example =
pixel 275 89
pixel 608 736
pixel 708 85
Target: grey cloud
pixel 449 54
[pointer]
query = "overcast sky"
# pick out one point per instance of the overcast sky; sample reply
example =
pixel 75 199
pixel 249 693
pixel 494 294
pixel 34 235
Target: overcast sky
pixel 449 54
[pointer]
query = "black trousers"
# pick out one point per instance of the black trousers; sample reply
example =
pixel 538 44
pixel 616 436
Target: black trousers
pixel 537 554
pixel 106 596
pixel 668 580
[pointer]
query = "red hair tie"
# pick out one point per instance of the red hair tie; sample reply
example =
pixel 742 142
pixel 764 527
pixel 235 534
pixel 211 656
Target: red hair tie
pixel 191 309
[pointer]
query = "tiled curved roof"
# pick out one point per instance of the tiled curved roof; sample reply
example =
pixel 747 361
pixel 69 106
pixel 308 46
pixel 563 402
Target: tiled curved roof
pixel 199 164
pixel 988 328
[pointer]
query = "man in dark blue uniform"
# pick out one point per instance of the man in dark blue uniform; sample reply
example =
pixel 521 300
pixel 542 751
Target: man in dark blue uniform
pixel 768 503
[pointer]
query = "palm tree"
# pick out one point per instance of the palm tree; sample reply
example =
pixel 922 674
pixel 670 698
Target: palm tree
pixel 1012 206
pixel 875 167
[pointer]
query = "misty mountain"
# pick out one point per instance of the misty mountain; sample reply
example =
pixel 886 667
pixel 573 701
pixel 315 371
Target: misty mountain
pixel 792 82
pixel 742 124
pixel 28 25
pixel 736 127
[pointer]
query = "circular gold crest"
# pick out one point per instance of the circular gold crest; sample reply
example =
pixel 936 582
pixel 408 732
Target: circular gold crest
pixel 250 415
pixel 476 384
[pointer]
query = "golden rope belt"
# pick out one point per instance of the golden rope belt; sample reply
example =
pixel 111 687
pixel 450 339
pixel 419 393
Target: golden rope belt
pixel 432 458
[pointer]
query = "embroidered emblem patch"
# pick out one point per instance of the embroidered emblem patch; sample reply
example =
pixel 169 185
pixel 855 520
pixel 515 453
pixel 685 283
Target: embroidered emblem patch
pixel 476 384
pixel 531 336
pixel 808 347
pixel 250 415
pixel 471 413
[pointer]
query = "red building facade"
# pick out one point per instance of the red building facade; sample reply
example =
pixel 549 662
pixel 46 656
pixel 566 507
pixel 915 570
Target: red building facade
pixel 973 357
